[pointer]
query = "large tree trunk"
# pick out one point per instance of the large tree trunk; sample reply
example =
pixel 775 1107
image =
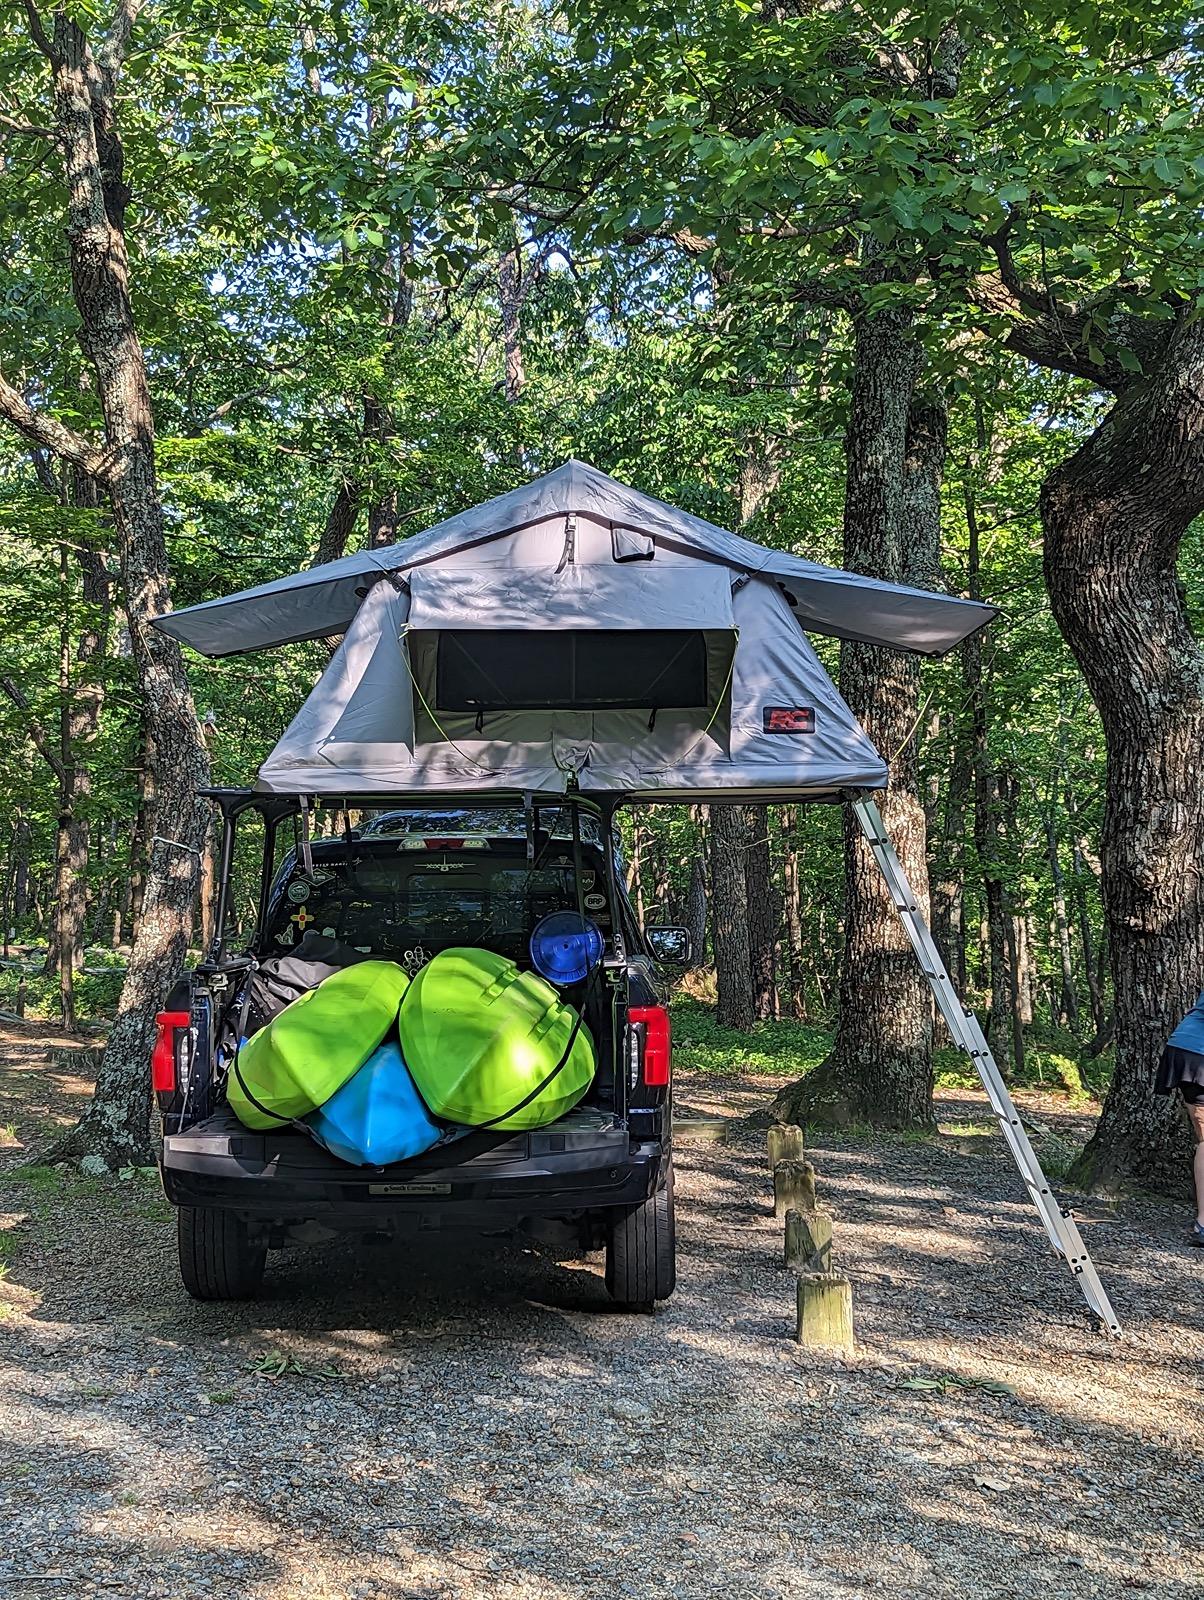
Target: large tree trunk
pixel 1114 514
pixel 729 918
pixel 880 1067
pixel 115 1129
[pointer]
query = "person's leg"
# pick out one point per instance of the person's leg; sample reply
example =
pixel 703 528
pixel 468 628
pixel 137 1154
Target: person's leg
pixel 1196 1117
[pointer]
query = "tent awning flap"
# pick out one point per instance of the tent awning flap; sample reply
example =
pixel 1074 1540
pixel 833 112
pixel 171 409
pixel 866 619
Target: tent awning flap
pixel 323 600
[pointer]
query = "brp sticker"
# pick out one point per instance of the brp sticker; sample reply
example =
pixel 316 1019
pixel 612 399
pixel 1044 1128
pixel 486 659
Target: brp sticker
pixel 595 902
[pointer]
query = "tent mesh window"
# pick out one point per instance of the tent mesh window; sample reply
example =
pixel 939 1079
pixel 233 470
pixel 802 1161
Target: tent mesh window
pixel 515 669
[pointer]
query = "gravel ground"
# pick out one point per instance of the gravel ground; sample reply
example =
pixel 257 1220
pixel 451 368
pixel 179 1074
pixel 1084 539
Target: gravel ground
pixel 468 1418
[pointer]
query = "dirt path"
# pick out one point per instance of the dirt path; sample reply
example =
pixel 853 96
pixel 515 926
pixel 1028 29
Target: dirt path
pixel 469 1419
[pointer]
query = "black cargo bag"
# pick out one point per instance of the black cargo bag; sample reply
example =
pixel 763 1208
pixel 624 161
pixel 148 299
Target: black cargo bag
pixel 276 983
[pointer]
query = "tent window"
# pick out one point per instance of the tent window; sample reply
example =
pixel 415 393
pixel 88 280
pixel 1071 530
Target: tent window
pixel 516 669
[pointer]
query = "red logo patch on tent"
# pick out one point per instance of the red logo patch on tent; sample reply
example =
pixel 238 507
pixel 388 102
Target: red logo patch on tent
pixel 789 719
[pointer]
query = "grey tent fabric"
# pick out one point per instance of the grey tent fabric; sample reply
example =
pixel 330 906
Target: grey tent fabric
pixel 613 522
pixel 596 596
pixel 374 723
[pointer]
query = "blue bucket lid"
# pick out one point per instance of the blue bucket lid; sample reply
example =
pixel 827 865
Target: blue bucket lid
pixel 565 946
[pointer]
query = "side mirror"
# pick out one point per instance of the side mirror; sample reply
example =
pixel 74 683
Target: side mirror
pixel 674 946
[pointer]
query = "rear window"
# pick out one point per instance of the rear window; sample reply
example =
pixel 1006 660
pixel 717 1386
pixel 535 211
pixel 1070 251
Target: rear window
pixel 391 904
pixel 495 822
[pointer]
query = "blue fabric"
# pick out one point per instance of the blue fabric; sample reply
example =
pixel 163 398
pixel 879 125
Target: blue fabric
pixel 1189 1035
pixel 377 1117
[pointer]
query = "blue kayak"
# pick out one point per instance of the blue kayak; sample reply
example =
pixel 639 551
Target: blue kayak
pixel 377 1117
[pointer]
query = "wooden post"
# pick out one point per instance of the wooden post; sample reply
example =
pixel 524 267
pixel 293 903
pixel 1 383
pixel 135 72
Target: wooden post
pixel 825 1311
pixel 785 1142
pixel 793 1187
pixel 695 1128
pixel 809 1241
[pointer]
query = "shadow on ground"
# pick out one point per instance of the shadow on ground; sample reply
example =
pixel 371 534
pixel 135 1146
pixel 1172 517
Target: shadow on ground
pixel 468 1417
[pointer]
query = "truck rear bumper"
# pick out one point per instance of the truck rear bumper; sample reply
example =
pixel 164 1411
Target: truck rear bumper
pixel 583 1163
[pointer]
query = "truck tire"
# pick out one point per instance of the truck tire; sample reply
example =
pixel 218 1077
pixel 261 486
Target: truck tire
pixel 641 1259
pixel 218 1260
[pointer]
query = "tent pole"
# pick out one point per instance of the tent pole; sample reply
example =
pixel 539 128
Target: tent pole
pixel 964 1030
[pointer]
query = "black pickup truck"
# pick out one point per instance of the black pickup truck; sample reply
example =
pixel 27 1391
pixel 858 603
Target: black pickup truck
pixel 409 879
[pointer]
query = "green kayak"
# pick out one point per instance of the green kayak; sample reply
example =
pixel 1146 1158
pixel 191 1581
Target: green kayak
pixel 310 1049
pixel 480 1038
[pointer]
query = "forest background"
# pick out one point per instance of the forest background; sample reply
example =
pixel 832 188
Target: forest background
pixel 912 292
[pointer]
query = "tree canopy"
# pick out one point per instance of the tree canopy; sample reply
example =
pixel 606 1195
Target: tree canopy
pixel 385 260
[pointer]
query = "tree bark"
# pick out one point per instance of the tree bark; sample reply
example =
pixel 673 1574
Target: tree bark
pixel 511 293
pixel 794 914
pixel 764 912
pixel 729 918
pixel 340 521
pixel 987 829
pixel 1114 515
pixel 115 1127
pixel 696 906
pixel 1068 1004
pixel 880 1067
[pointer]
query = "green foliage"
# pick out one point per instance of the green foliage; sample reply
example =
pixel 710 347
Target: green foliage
pixel 696 191
pixel 96 994
pixel 701 1045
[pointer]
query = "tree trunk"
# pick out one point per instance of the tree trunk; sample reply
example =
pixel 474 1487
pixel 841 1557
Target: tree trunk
pixel 21 847
pixel 115 1127
pixel 696 906
pixel 340 521
pixel 794 914
pixel 764 912
pixel 510 290
pixel 82 699
pixel 1068 1004
pixel 987 829
pixel 880 1068
pixel 635 872
pixel 729 918
pixel 1114 515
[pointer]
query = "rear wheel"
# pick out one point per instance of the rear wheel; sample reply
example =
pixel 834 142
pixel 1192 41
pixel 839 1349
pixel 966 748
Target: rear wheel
pixel 641 1260
pixel 218 1259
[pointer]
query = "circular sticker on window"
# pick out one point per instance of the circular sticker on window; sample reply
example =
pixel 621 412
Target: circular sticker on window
pixel 595 902
pixel 298 891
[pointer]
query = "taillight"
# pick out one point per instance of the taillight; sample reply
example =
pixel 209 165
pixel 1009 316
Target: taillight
pixel 656 1043
pixel 163 1058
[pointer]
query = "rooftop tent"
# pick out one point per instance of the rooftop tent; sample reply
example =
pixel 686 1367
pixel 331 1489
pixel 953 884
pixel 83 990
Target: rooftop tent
pixel 489 679
pixel 576 633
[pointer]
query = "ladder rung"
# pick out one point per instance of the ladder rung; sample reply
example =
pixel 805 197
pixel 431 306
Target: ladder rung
pixel 1058 1221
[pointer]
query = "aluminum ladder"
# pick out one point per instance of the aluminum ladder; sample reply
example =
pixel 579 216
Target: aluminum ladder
pixel 964 1030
